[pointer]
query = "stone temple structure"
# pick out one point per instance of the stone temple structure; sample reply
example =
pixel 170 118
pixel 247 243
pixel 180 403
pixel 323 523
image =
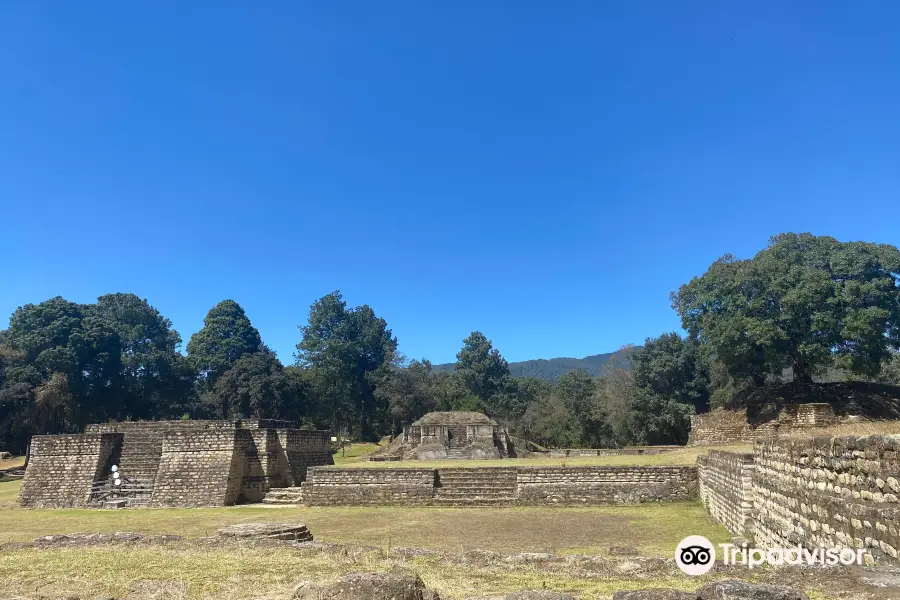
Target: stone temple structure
pixel 170 463
pixel 457 434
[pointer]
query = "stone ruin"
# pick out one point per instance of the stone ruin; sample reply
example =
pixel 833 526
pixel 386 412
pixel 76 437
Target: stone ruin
pixel 170 463
pixel 451 434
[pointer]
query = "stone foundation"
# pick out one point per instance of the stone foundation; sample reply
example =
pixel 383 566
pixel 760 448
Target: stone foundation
pixel 63 468
pixel 173 463
pixel 816 492
pixel 504 486
pixel 627 451
pixel 726 489
pixel 733 427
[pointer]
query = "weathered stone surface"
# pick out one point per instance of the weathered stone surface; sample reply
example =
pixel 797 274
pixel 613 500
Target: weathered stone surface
pixel 499 486
pixel 741 590
pixel 398 584
pixel 5 455
pixel 654 594
pixel 622 551
pixel 171 463
pixel 271 531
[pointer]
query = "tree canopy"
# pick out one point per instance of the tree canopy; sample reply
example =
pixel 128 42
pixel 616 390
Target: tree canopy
pixel 226 336
pixel 804 302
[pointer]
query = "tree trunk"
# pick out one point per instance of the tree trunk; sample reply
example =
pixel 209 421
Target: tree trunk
pixel 801 371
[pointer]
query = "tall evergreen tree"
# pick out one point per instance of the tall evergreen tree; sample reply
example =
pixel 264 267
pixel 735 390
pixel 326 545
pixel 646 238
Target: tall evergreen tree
pixel 226 336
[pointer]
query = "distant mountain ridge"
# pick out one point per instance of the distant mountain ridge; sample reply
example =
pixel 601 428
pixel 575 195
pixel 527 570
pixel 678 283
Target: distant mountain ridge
pixel 550 369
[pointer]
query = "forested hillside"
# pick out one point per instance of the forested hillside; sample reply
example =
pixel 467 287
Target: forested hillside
pixel 805 307
pixel 550 369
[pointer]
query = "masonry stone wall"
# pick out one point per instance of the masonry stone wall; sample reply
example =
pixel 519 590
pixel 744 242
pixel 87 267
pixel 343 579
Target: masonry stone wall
pixel 500 485
pixel 815 492
pixel 332 486
pixel 200 468
pixel 726 489
pixel 627 451
pixel 829 492
pixel 727 427
pixel 175 463
pixel 62 468
pixel 711 428
pixel 305 449
pixel 605 485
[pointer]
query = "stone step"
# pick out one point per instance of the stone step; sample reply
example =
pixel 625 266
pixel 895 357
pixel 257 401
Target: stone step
pixel 288 495
pixel 479 480
pixel 498 501
pixel 471 493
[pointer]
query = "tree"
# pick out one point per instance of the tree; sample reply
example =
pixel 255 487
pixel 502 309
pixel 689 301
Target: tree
pixel 657 419
pixel 485 373
pixel 226 336
pixel 612 407
pixel 408 392
pixel 349 351
pixel 256 386
pixel 549 422
pixel 672 367
pixel 804 302
pixel 156 380
pixel 61 370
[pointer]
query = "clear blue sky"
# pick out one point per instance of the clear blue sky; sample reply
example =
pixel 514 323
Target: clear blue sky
pixel 546 172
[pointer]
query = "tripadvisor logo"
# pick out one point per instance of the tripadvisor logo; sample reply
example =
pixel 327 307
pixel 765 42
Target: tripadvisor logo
pixel 695 555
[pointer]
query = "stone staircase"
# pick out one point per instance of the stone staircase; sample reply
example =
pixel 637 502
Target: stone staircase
pixel 475 487
pixel 458 444
pixel 287 495
pixel 141 455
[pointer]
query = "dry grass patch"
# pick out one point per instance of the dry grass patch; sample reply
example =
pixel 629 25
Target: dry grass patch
pixel 180 571
pixel 16 462
pixel 654 529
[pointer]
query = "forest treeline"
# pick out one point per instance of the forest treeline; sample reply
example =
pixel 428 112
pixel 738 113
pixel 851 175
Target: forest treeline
pixel 811 306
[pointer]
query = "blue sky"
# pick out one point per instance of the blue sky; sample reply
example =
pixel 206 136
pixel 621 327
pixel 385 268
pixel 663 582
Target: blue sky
pixel 544 172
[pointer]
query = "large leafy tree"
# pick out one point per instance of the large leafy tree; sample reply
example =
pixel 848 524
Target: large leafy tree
pixel 485 374
pixel 156 381
pixel 349 352
pixel 226 336
pixel 804 302
pixel 61 369
pixel 256 386
pixel 408 392
pixel 673 368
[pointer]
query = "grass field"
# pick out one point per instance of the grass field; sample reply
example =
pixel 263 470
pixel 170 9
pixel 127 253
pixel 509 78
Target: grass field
pixel 683 456
pixel 654 529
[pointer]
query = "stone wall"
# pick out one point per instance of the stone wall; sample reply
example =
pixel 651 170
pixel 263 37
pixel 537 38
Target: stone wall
pixel 816 492
pixel 62 468
pixel 500 485
pixel 720 428
pixel 733 427
pixel 142 441
pixel 726 489
pixel 829 492
pixel 627 451
pixel 605 485
pixel 305 449
pixel 332 486
pixel 177 463
pixel 266 464
pixel 200 468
